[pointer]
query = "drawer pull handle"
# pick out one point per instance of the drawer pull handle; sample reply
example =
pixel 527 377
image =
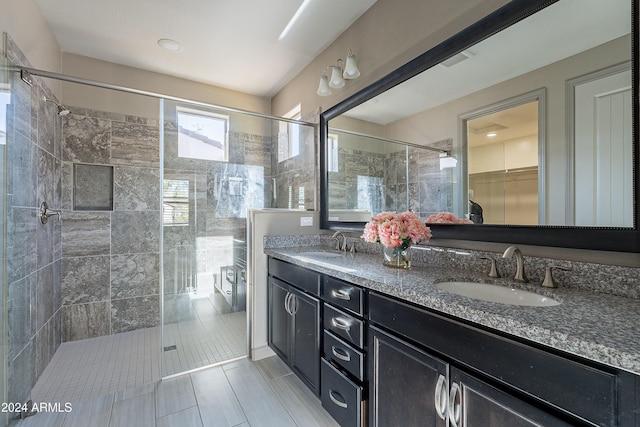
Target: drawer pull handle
pixel 441 397
pixel 340 354
pixel 340 402
pixel 454 405
pixel 341 324
pixel 341 294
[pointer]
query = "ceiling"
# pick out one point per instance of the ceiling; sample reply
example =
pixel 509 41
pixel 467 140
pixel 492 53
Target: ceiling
pixel 227 43
pixel 519 49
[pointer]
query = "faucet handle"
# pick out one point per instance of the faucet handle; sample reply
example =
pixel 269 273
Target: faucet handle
pixel 548 281
pixel 494 271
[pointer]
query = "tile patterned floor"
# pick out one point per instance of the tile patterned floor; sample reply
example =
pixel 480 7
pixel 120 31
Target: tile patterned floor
pixel 204 342
pixel 100 366
pixel 237 394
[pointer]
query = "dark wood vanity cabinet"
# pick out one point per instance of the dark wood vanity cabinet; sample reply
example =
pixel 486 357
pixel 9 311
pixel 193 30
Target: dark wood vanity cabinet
pixel 294 320
pixel 375 360
pixel 493 380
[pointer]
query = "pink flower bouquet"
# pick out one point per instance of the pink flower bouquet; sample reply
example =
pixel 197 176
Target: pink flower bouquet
pixel 447 218
pixel 394 230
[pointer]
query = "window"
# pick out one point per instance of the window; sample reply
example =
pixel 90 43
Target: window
pixel 175 198
pixel 289 135
pixel 202 135
pixel 332 153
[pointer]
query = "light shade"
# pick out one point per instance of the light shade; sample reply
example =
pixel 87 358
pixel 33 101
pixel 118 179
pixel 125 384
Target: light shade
pixel 351 68
pixel 336 81
pixel 323 87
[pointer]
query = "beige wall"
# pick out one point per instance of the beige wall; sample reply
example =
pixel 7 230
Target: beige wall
pixel 23 21
pixel 109 100
pixel 25 24
pixel 442 122
pixel 388 35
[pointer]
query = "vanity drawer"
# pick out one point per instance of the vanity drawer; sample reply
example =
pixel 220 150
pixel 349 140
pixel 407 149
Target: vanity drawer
pixel 344 354
pixel 299 277
pixel 344 325
pixel 341 397
pixel 344 295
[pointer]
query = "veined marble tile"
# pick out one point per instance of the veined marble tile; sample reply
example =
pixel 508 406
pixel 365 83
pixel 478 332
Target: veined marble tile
pixel 43 348
pixel 135 232
pixel 20 375
pixel 119 117
pixel 86 140
pixel 21 243
pixel 47 118
pixel 81 321
pixel 44 295
pixel 86 233
pixel 19 314
pixel 135 275
pixel 67 186
pixel 135 145
pixel 85 279
pixel 137 189
pixel 22 178
pixel 129 314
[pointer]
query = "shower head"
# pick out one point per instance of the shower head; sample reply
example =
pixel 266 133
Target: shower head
pixel 62 110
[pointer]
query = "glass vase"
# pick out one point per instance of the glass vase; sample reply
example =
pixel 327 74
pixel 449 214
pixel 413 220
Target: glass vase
pixel 396 257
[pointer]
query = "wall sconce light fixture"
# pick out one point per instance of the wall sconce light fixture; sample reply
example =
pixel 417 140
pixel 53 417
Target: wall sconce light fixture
pixel 338 77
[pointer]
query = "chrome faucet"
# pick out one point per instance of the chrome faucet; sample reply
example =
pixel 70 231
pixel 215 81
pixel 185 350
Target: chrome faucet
pixel 520 276
pixel 336 236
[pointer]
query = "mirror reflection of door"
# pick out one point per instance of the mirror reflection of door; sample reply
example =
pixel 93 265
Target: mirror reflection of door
pixel 602 148
pixel 503 149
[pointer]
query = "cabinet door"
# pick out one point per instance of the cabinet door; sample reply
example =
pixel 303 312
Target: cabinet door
pixel 474 403
pixel 279 318
pixel 408 387
pixel 305 345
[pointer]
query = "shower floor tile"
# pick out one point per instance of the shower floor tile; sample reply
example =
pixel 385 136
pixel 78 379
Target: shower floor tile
pixel 87 369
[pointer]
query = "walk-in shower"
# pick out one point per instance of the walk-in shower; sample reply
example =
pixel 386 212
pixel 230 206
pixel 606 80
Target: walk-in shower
pixel 135 268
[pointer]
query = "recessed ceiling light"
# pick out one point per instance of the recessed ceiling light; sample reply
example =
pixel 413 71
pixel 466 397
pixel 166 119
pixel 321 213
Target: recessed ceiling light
pixel 491 134
pixel 170 45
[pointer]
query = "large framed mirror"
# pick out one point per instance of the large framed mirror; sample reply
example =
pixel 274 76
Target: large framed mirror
pixel 525 123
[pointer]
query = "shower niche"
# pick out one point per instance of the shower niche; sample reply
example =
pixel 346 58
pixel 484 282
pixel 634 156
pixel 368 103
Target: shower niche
pixel 92 187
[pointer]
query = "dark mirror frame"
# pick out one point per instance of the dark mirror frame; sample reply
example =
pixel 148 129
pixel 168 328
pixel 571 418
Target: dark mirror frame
pixel 595 238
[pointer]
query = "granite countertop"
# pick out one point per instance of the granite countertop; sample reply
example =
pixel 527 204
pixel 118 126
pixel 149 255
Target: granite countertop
pixel 600 327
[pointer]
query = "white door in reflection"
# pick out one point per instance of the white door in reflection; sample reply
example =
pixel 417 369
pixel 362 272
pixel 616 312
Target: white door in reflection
pixel 603 154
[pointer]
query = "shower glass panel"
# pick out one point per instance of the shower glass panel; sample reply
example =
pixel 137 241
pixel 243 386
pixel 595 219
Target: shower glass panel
pixel 217 164
pixel 5 100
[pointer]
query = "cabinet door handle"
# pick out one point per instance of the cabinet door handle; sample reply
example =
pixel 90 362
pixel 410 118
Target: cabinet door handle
pixel 341 294
pixel 340 323
pixel 340 354
pixel 287 303
pixel 455 407
pixel 340 402
pixel 294 304
pixel 441 397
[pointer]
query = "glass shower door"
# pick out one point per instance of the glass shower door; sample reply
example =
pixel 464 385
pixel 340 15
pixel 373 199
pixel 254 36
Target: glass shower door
pixel 216 165
pixel 5 99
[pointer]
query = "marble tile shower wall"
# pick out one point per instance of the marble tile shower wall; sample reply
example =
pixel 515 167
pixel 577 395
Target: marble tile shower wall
pixel 355 184
pixel 111 258
pixel 33 249
pixel 295 178
pixel 348 191
pixel 430 188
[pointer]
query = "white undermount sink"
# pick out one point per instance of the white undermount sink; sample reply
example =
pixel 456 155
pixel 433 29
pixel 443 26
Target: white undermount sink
pixel 321 254
pixel 496 293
